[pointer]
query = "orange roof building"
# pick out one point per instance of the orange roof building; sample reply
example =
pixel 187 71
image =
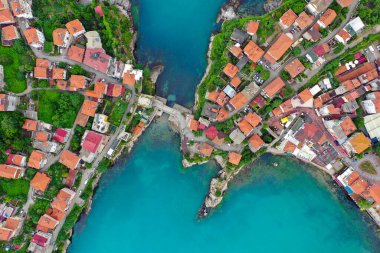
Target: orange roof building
pixel 212 96
pixel 89 108
pixel 222 114
pixel 230 70
pixel 69 159
pixel 374 193
pixel 193 125
pixel 245 127
pixel 234 158
pixel 30 125
pixel 10 171
pixel 238 101
pixel 34 37
pixel 63 199
pixel 19 160
pixel 256 142
pixel 205 149
pixel 327 18
pixel 138 129
pixel 77 82
pixel 61 37
pixel 347 126
pixel 36 160
pixel 295 68
pixel 359 185
pixel 40 182
pixel 129 79
pixel 40 73
pixel 252 27
pixel 9 34
pixel 305 95
pixel 100 87
pixel 253 51
pixel 290 147
pixel 75 28
pixel 357 143
pixel 343 36
pixel 287 19
pixel 42 63
pixel 303 20
pixel 279 48
pixel 59 74
pixel 12 223
pixel 6 17
pixel 253 119
pixel 46 223
pixel 235 82
pixel 360 70
pixel 76 53
pixel 5 234
pixel 236 51
pixel 274 87
pixel 41 136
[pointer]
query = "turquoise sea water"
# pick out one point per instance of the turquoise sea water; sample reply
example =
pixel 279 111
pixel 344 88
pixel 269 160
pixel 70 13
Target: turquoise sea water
pixel 148 203
pixel 176 33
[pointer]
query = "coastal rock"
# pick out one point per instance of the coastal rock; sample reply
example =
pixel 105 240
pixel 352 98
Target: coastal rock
pixel 270 5
pixel 228 11
pixel 124 4
pixel 156 71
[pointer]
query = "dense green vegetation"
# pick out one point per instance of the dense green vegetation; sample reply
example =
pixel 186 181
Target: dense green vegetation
pixel 14 190
pixel 11 132
pixel 70 221
pixel 77 137
pixel 114 28
pixel 369 11
pixel 219 51
pixel 16 60
pixel 117 112
pixel 58 108
pixel 57 173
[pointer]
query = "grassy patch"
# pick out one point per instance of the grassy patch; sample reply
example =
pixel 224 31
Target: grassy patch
pixel 15 189
pixel 16 60
pixel 57 108
pixel 368 167
pixel 117 112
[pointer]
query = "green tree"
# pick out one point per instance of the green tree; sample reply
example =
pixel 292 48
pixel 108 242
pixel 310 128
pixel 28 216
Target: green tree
pixel 339 48
pixel 265 74
pixel 296 51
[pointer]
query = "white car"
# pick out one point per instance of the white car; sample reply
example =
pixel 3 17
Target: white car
pixel 371 49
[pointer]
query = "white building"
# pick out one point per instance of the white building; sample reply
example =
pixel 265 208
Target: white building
pixel 372 125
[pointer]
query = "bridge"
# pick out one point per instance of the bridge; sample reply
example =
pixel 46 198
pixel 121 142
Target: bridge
pixel 178 116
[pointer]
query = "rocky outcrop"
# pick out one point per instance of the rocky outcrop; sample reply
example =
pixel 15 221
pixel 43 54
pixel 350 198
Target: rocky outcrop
pixel 156 71
pixel 228 11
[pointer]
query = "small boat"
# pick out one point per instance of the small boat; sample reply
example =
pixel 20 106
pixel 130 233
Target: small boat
pixel 275 164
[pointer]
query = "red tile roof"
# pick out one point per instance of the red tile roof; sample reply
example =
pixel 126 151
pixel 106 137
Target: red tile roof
pixel 279 48
pixel 92 141
pixel 295 68
pixel 274 87
pixel 238 100
pixel 230 70
pixel 252 27
pixel 288 18
pixel 253 51
pixel 97 59
pixel 76 53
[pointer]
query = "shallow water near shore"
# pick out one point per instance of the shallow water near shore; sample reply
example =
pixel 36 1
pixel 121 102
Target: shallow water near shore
pixel 176 33
pixel 148 203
